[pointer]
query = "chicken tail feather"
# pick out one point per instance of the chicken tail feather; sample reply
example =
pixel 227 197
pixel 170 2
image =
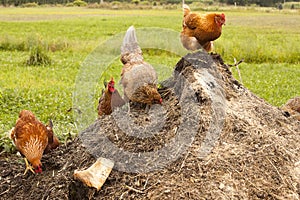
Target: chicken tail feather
pixel 130 44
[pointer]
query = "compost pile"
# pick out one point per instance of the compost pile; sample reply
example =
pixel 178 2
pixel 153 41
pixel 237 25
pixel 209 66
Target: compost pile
pixel 226 143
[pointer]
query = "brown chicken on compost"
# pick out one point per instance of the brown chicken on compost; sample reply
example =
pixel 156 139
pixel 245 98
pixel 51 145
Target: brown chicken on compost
pixel 32 138
pixel 110 99
pixel 139 79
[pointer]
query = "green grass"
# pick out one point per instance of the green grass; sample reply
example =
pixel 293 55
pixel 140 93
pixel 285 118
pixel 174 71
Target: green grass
pixel 268 41
pixel 261 38
pixel 47 91
pixel 275 82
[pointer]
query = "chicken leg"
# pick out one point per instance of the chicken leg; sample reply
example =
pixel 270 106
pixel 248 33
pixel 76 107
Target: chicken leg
pixel 28 167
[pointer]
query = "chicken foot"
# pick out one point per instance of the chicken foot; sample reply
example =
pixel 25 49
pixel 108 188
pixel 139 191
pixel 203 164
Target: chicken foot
pixel 28 167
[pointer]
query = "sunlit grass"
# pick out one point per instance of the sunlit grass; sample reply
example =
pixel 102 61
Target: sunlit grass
pixel 276 83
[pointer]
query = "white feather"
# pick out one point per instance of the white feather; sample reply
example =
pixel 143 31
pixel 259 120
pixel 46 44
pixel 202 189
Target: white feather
pixel 130 44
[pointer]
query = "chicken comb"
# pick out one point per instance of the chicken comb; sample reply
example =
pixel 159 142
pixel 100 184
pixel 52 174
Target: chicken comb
pixel 112 80
pixel 223 16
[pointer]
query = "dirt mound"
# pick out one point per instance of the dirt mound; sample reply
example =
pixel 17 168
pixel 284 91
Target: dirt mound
pixel 216 141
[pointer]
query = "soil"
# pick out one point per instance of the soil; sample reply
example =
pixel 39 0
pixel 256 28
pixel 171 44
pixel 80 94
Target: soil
pixel 255 154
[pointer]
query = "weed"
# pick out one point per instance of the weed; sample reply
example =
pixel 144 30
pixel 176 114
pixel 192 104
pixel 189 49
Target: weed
pixel 30 5
pixel 79 3
pixel 6 144
pixel 38 53
pixel 38 56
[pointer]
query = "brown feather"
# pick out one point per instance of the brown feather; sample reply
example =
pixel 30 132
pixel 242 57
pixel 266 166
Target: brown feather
pixel 205 28
pixel 109 100
pixel 53 141
pixel 116 100
pixel 138 77
pixel 104 105
pixel 30 137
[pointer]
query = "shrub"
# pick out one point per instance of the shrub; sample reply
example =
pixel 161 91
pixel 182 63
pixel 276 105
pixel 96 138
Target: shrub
pixel 6 144
pixel 38 56
pixel 116 3
pixel 30 5
pixel 69 4
pixel 292 6
pixel 58 45
pixel 136 2
pixel 79 3
pixel 12 44
pixel 93 5
pixel 102 5
pixel 8 44
pixel 147 3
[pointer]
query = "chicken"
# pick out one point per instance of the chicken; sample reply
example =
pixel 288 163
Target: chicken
pixel 53 141
pixel 110 99
pixel 31 138
pixel 292 107
pixel 294 104
pixel 200 30
pixel 138 78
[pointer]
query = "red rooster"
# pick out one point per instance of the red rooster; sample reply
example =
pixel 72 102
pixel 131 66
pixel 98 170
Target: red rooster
pixel 110 99
pixel 200 30
pixel 139 79
pixel 31 138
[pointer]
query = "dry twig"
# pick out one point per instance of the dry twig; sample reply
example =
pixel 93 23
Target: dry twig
pixel 236 64
pixel 135 190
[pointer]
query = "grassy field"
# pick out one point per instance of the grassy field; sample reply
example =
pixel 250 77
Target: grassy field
pixel 267 40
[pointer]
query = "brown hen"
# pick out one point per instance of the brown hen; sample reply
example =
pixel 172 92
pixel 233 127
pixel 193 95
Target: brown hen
pixel 31 138
pixel 200 30
pixel 110 99
pixel 139 79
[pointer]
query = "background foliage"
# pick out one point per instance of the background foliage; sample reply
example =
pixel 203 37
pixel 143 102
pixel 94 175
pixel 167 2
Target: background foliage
pixel 34 3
